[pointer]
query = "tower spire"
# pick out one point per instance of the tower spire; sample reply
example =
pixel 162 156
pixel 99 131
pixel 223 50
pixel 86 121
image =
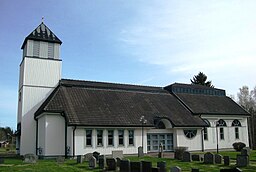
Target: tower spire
pixel 42 19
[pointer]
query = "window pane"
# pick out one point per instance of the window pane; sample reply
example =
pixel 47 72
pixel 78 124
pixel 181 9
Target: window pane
pixel 88 137
pixel 99 137
pixel 110 137
pixel 121 137
pixel 131 137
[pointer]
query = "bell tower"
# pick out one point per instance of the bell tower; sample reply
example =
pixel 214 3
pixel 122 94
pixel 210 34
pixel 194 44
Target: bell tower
pixel 40 72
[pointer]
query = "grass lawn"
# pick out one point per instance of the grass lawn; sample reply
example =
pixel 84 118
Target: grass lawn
pixel 71 165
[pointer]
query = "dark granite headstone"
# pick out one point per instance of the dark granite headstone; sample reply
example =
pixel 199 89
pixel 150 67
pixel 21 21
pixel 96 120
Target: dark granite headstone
pixel 194 170
pixel 209 158
pixel 118 161
pixel 135 166
pixel 176 169
pixel 1 160
pixel 195 157
pixel 111 164
pixel 242 161
pixel 155 169
pixel 102 161
pixel 218 158
pixel 245 152
pixel 146 166
pixel 125 166
pixel 96 155
pixel 162 166
pixel 226 160
pixel 79 159
pixel 186 157
pixel 231 170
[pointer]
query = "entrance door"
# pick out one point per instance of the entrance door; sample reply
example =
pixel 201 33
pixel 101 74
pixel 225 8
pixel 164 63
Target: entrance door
pixel 154 140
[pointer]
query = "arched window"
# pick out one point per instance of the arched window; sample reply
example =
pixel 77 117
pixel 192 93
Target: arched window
pixel 190 133
pixel 221 123
pixel 161 125
pixel 236 123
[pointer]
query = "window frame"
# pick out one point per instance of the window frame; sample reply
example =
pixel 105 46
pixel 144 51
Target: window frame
pixel 131 138
pixel 120 137
pixel 88 137
pixel 110 138
pixel 190 133
pixel 100 138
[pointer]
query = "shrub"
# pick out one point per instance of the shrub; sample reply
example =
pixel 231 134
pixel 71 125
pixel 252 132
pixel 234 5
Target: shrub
pixel 238 146
pixel 178 152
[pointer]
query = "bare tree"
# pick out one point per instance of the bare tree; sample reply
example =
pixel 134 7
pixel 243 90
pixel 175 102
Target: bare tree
pixel 247 99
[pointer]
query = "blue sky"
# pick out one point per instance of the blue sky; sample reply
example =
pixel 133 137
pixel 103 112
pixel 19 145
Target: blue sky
pixel 135 42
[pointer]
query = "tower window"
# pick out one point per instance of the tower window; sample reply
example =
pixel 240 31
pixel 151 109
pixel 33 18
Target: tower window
pixel 36 48
pixel 50 50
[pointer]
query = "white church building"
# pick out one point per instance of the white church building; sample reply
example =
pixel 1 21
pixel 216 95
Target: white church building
pixel 64 117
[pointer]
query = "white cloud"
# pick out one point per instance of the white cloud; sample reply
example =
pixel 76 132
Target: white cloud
pixel 215 37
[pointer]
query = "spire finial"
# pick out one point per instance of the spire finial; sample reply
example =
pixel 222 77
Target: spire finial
pixel 42 19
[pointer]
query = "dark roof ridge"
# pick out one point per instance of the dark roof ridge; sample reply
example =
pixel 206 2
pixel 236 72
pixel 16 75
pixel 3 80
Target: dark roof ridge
pixel 42 33
pixel 193 85
pixel 111 86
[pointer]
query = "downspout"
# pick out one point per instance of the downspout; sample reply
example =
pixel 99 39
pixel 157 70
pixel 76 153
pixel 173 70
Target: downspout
pixel 74 141
pixel 36 136
pixel 202 136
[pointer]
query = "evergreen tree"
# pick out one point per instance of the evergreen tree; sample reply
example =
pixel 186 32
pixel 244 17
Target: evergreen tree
pixel 200 79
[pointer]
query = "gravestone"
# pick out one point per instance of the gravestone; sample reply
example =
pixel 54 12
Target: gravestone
pixel 146 166
pixel 209 158
pixel 1 160
pixel 245 152
pixel 111 164
pixel 30 158
pixel 231 170
pixel 96 155
pixel 176 169
pixel 92 162
pixel 135 166
pixel 125 166
pixel 79 159
pixel 102 161
pixel 118 161
pixel 194 170
pixel 162 166
pixel 242 161
pixel 218 158
pixel 155 169
pixel 226 160
pixel 195 157
pixel 186 157
pixel 60 159
pixel 87 156
pixel 117 153
pixel 140 151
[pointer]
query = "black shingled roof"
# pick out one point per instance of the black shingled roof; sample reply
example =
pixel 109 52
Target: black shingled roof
pixel 89 103
pixel 201 102
pixel 42 33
